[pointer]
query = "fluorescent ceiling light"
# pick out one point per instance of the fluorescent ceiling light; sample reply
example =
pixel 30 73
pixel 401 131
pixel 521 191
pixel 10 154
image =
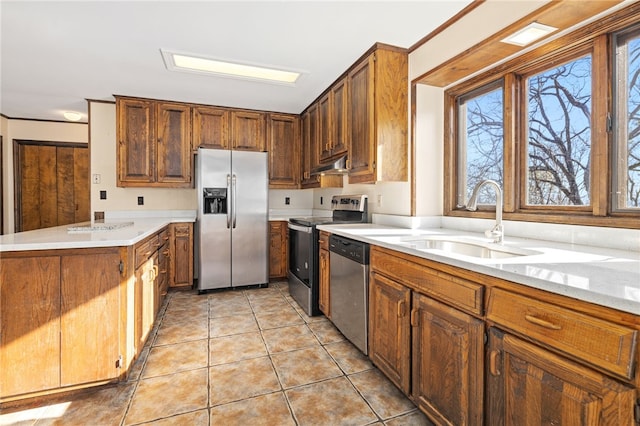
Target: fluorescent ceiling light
pixel 175 61
pixel 529 34
pixel 72 116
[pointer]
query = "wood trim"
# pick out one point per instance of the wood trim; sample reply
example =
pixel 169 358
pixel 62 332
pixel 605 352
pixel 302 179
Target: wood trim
pixel 510 170
pixel 455 18
pixel 601 105
pixel 1 189
pixel 412 149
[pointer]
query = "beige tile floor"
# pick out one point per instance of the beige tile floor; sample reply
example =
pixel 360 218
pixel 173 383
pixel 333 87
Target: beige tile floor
pixel 237 357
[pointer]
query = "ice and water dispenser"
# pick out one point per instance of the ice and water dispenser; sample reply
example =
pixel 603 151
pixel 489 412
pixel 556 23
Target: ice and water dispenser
pixel 214 200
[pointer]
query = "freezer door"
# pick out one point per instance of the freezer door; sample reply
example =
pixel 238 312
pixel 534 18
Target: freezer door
pixel 249 248
pixel 214 233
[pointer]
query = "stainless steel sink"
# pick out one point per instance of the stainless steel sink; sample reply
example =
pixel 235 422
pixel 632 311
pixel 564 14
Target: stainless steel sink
pixel 466 248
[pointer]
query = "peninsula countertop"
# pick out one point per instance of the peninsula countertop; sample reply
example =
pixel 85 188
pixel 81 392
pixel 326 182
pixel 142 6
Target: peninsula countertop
pixel 602 276
pixel 110 233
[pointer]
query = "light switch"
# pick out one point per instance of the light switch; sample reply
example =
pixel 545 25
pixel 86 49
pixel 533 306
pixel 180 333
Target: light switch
pixel 96 178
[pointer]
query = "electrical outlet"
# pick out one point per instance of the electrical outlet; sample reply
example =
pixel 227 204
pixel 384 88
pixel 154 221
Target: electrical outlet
pixel 379 200
pixel 140 201
pixel 287 200
pixel 103 195
pixel 96 178
pixel 321 200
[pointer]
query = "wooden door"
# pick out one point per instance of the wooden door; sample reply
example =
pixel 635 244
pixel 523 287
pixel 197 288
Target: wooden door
pixel 390 329
pixel 210 127
pixel 52 184
pixel 284 151
pixel 248 131
pixel 339 118
pixel 324 297
pixel 173 144
pixel 144 304
pixel 447 362
pixel 181 257
pixel 308 127
pixel 29 324
pixel 362 121
pixel 90 321
pixel 136 136
pixel 325 131
pixel 528 385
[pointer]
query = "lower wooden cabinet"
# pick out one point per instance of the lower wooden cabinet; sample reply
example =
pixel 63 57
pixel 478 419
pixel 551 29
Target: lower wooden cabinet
pixel 529 385
pixel 181 254
pixel 390 329
pixel 447 362
pixel 278 249
pixel 60 319
pixel 324 296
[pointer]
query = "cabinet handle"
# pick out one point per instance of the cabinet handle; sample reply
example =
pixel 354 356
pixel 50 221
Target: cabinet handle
pixel 401 309
pixel 348 164
pixel 166 252
pixel 155 271
pixel 542 323
pixel 493 363
pixel 414 318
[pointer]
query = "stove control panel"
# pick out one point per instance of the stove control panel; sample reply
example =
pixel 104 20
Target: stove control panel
pixel 349 202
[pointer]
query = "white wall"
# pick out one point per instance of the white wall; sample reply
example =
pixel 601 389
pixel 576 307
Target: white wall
pixel 30 130
pixel 102 119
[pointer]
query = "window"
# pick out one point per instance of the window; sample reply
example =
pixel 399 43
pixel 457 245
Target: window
pixel 627 88
pixel 559 135
pixel 482 139
pixel 558 128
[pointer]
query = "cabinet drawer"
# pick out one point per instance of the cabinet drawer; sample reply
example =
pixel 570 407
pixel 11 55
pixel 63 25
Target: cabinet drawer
pixel 456 291
pixel 182 230
pixel 145 249
pixel 163 237
pixel 599 342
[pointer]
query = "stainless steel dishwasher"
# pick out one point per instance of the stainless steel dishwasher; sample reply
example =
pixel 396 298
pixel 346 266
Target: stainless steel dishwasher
pixel 349 288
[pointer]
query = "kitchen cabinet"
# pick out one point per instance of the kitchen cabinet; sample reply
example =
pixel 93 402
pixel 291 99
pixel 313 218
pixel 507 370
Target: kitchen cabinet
pixel 181 254
pixel 60 319
pixel 248 131
pixel 164 261
pixel 278 249
pixel 210 127
pixel 390 329
pixel 310 154
pixel 324 295
pixel 283 134
pixel 531 385
pixel 378 119
pixel 146 272
pixel 333 123
pixel 429 349
pixel 154 143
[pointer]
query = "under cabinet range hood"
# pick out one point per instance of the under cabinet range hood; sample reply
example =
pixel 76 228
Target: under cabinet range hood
pixel 337 167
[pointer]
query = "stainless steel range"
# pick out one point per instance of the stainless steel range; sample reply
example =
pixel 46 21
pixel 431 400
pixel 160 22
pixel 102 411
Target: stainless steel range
pixel 303 247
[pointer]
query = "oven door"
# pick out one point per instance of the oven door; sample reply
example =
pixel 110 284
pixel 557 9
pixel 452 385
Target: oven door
pixel 301 252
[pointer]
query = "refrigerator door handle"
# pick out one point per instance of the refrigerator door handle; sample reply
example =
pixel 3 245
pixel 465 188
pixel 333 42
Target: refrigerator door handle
pixel 228 210
pixel 233 200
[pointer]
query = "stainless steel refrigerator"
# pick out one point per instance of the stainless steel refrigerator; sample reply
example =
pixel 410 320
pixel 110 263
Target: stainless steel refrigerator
pixel 232 221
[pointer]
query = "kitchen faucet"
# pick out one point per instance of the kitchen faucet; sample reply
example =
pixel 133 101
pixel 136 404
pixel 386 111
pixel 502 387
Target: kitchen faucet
pixel 497 232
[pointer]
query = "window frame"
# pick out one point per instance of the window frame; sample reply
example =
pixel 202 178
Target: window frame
pixel 598 40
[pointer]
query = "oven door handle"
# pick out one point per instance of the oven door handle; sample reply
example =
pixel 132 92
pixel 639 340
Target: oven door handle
pixel 307 229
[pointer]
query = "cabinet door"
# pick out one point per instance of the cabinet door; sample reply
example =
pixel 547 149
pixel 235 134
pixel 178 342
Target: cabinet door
pixel 247 129
pixel 362 120
pixel 309 129
pixel 448 362
pixel 29 324
pixel 390 329
pixel 325 131
pixel 324 291
pixel 90 320
pixel 339 118
pixel 144 305
pixel 210 127
pixel 284 151
pixel 529 385
pixel 277 249
pixel 174 143
pixel 136 141
pixel 181 257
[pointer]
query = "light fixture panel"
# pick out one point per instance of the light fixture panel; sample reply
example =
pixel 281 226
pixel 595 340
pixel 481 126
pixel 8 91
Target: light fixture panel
pixel 186 62
pixel 527 35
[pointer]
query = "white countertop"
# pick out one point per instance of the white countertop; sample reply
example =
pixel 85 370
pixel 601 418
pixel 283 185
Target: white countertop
pixel 114 233
pixel 605 277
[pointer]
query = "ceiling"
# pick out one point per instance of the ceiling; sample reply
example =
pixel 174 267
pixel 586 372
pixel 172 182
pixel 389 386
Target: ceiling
pixel 54 55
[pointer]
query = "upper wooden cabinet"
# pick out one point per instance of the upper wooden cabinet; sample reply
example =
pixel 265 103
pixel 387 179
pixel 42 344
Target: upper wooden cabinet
pixel 154 143
pixel 210 127
pixel 248 131
pixel 283 136
pixel 310 153
pixel 378 117
pixel 332 122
